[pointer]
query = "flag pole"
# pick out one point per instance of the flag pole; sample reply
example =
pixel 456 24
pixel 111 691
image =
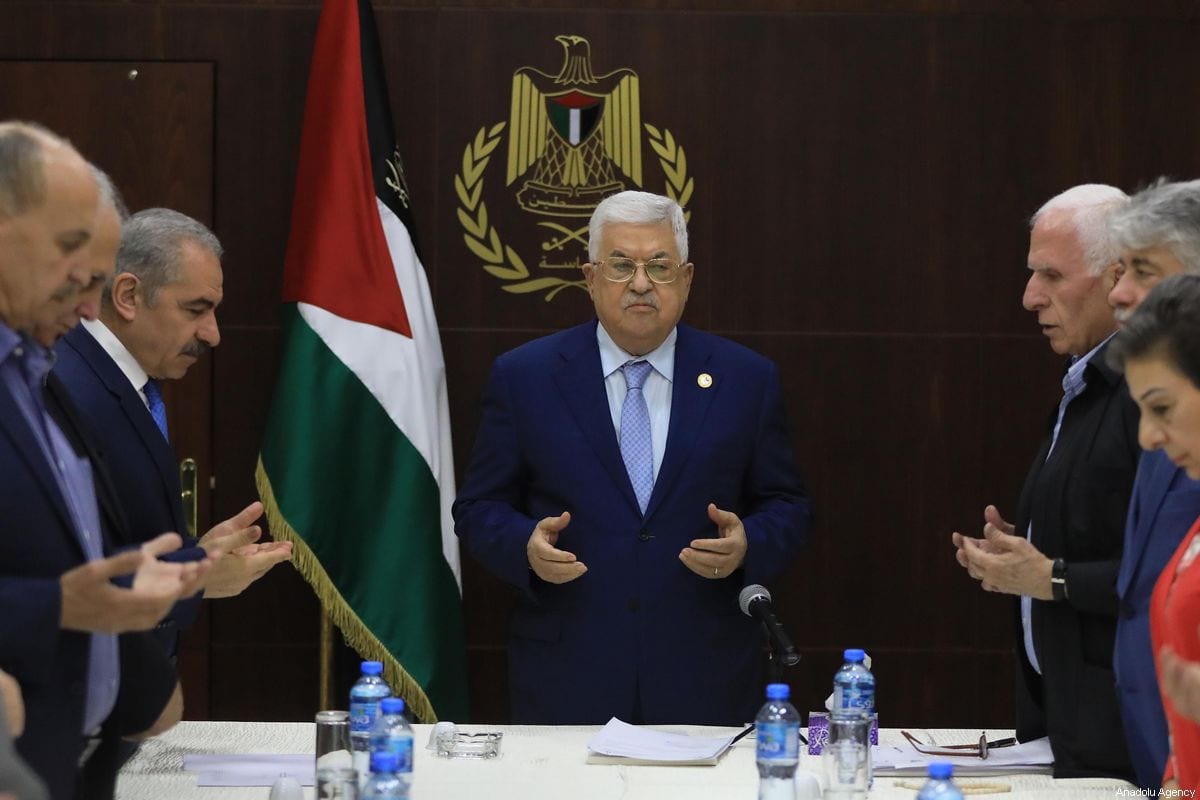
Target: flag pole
pixel 357 312
pixel 325 662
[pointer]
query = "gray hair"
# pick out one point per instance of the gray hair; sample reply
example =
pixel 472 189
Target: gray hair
pixel 22 166
pixel 1167 322
pixel 1166 215
pixel 1088 207
pixel 110 195
pixel 637 208
pixel 151 248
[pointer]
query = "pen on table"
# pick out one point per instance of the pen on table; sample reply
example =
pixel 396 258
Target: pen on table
pixel 750 729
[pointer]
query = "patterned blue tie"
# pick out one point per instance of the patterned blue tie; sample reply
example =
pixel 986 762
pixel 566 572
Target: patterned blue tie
pixel 637 447
pixel 158 409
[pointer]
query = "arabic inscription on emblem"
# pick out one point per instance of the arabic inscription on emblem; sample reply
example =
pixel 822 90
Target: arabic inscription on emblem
pixel 396 178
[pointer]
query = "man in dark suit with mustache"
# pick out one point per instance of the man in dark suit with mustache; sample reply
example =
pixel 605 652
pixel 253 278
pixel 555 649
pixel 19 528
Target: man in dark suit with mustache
pixel 157 318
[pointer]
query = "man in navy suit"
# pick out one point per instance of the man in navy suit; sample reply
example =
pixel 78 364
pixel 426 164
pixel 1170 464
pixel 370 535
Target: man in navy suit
pixel 157 317
pixel 629 477
pixel 1159 236
pixel 61 609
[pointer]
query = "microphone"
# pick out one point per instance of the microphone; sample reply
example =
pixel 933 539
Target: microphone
pixel 755 601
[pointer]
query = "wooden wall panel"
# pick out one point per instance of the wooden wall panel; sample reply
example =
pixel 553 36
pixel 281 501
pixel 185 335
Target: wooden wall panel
pixel 864 172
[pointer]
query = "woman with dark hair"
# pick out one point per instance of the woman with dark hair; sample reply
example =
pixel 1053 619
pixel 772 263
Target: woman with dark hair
pixel 1159 348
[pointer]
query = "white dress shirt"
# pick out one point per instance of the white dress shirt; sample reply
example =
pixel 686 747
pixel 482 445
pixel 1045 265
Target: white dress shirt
pixel 120 354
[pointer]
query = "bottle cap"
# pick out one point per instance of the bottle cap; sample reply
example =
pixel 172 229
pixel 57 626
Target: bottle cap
pixel 383 761
pixel 778 691
pixel 372 667
pixel 391 705
pixel 940 770
pixel 854 655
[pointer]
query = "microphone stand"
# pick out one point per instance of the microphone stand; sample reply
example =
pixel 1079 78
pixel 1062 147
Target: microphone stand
pixel 777 662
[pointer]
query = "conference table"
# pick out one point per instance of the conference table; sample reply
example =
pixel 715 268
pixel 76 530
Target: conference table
pixel 542 763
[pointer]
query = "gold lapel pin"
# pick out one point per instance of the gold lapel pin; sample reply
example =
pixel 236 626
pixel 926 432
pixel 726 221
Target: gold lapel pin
pixel 704 380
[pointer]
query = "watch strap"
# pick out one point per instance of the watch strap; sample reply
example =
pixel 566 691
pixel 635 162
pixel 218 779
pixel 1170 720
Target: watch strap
pixel 1058 579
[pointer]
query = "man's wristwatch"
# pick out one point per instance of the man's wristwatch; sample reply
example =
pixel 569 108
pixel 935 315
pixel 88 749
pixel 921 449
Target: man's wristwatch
pixel 1058 579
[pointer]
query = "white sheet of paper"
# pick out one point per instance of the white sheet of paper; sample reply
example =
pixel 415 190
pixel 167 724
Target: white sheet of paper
pixel 623 740
pixel 1032 756
pixel 261 769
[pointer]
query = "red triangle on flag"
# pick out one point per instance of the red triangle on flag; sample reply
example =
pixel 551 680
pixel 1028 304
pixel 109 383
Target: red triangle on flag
pixel 337 255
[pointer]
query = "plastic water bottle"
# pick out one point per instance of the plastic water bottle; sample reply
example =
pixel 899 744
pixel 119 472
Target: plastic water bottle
pixel 384 783
pixel 364 709
pixel 777 731
pixel 854 686
pixel 939 785
pixel 848 770
pixel 393 734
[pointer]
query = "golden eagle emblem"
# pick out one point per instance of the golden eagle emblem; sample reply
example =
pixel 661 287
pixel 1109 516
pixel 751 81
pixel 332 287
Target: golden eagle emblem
pixel 574 138
pixel 576 131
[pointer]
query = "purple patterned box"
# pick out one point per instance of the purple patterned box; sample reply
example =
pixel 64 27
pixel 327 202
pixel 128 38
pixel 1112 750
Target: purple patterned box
pixel 818 731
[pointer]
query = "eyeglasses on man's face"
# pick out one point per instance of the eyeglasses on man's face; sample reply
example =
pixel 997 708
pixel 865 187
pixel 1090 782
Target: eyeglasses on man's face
pixel 620 269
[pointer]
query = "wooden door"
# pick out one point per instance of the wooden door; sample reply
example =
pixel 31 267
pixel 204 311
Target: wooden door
pixel 149 125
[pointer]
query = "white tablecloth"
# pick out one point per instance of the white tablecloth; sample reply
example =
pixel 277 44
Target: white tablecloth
pixel 535 763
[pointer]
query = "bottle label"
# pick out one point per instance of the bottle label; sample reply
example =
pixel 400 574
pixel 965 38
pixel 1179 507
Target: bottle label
pixel 777 741
pixel 363 716
pixel 402 746
pixel 854 696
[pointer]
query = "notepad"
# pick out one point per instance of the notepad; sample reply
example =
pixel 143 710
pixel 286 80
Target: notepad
pixel 621 743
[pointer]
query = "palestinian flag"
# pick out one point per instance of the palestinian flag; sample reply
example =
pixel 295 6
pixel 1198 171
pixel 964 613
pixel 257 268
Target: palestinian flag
pixel 356 467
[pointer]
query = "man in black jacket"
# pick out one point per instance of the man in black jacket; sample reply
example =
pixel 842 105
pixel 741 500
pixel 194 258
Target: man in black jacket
pixel 1062 556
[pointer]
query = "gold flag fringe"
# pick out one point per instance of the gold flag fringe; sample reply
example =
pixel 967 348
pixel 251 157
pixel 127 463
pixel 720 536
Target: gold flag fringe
pixel 357 634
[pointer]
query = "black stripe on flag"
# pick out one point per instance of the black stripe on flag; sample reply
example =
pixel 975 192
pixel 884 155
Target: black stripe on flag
pixel 380 133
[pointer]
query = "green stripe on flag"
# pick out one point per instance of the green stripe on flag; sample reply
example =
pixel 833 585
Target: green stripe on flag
pixel 343 482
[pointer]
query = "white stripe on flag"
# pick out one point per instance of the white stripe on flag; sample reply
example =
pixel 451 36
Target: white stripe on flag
pixel 407 376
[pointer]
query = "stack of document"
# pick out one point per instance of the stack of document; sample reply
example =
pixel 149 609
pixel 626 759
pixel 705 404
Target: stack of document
pixel 904 759
pixel 621 743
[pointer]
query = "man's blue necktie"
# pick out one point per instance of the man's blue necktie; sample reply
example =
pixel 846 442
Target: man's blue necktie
pixel 158 409
pixel 637 447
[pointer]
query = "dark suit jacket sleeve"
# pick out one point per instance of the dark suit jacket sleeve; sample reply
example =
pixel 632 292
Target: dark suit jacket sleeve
pixel 29 625
pixel 486 518
pixel 1092 585
pixel 778 524
pixel 188 551
pixel 147 681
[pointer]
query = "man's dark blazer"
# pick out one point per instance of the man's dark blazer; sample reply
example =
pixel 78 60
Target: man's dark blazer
pixel 142 463
pixel 639 636
pixel 1077 501
pixel 1165 504
pixel 38 545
